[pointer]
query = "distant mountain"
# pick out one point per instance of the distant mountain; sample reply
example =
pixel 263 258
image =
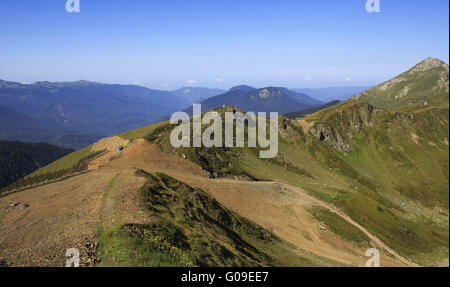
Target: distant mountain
pixel 426 84
pixel 304 113
pixel 88 107
pixel 10 119
pixel 332 93
pixel 242 88
pixel 196 95
pixel 270 99
pixel 18 127
pixel 18 159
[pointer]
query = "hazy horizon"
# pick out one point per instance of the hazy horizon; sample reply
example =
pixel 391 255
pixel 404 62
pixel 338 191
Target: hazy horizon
pixel 187 86
pixel 166 45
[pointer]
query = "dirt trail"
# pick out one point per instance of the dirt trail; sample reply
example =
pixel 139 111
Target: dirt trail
pixel 379 243
pixel 67 214
pixel 121 203
pixel 283 209
pixel 372 237
pixel 57 216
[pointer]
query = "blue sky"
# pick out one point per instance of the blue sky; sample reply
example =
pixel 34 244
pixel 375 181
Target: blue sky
pixel 167 44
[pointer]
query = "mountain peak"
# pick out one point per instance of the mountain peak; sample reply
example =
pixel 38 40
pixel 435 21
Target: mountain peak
pixel 428 64
pixel 424 84
pixel 243 88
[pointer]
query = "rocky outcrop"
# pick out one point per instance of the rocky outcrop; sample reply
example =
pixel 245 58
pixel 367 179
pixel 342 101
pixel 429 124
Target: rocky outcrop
pixel 342 124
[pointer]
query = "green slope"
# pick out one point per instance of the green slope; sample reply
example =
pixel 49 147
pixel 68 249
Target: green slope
pixel 18 159
pixel 190 228
pixel 381 159
pixel 424 84
pixel 387 170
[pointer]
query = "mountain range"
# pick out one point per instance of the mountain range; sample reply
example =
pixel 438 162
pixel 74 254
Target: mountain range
pixel 15 126
pixel 369 172
pixel 88 107
pixel 76 114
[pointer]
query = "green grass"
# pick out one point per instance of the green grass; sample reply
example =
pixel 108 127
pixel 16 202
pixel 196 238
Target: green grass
pixel 65 162
pixel 340 226
pixel 429 86
pixel 411 238
pixel 141 132
pixel 207 231
pixel 387 182
pixel 121 246
pixel 189 228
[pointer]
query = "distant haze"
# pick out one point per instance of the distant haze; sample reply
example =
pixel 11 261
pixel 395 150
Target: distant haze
pixel 221 43
pixel 332 93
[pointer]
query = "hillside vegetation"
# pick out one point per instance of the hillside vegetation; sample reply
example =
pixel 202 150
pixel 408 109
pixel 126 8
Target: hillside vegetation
pixel 19 159
pixel 189 228
pixel 88 107
pixel 426 84
pixel 388 171
pixel 15 126
pixel 380 159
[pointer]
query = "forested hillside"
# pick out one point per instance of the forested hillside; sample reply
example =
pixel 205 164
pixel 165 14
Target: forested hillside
pixel 18 159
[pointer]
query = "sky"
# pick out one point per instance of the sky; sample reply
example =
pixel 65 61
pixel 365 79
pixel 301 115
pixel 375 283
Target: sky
pixel 167 44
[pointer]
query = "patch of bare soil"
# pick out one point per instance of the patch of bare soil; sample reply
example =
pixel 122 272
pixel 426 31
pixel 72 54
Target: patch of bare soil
pixel 283 210
pixel 109 144
pixel 121 203
pixel 38 225
pixel 50 219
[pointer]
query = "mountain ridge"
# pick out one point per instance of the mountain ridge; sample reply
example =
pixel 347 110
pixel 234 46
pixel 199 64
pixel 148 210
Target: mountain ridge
pixel 426 83
pixel 15 126
pixel 90 107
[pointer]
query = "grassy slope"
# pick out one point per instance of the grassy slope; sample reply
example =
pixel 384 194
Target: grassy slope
pixel 73 158
pixel 65 162
pixel 387 182
pixel 190 228
pixel 395 183
pixel 414 87
pixel 17 159
pixel 341 227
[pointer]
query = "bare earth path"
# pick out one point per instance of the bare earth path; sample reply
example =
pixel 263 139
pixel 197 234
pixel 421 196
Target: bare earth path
pixel 372 237
pixel 282 209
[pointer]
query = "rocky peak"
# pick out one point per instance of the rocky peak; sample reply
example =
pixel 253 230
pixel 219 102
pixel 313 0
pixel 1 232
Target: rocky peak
pixel 268 92
pixel 428 64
